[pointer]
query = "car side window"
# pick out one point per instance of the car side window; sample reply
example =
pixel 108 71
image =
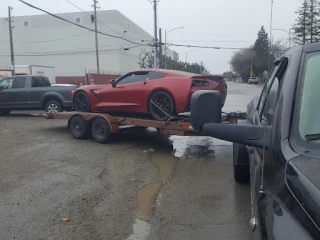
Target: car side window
pixel 273 94
pixel 155 75
pixel 132 78
pixel 6 83
pixel 19 82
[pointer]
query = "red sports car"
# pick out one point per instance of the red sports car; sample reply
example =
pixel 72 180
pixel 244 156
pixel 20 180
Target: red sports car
pixel 158 92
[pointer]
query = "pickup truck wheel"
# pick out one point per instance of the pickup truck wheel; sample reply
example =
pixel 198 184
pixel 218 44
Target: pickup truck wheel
pixel 5 112
pixel 101 130
pixel 53 107
pixel 241 171
pixel 78 127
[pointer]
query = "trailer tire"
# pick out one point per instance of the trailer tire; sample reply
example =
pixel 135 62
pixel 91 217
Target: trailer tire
pixel 101 130
pixel 78 127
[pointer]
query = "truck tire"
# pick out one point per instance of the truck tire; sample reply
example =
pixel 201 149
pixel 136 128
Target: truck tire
pixel 5 112
pixel 53 106
pixel 78 127
pixel 241 171
pixel 101 130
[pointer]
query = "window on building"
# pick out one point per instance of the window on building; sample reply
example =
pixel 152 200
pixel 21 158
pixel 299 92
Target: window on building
pixel 77 20
pixel 26 24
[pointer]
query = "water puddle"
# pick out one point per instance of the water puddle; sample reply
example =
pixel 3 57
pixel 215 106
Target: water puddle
pixel 149 194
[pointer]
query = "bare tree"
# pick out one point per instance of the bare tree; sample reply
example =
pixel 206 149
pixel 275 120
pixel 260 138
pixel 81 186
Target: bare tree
pixel 146 59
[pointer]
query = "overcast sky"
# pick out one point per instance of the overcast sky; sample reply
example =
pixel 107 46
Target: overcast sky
pixel 221 23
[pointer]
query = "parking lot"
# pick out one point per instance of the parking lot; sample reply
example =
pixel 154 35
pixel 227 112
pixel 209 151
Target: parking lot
pixel 140 186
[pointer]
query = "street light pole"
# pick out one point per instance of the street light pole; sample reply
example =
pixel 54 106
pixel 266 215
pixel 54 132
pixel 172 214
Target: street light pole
pixel 289 34
pixel 187 54
pixel 166 45
pixel 270 36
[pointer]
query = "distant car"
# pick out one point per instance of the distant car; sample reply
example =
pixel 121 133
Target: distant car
pixel 33 92
pixel 253 80
pixel 157 92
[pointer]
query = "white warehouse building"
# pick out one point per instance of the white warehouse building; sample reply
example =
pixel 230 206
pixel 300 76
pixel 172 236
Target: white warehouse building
pixel 46 40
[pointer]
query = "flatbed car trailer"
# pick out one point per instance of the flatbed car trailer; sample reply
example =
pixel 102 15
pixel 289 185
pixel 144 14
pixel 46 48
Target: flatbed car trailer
pixel 102 125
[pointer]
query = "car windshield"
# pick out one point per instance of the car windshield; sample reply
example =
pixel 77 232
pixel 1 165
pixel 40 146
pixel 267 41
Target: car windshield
pixel 309 118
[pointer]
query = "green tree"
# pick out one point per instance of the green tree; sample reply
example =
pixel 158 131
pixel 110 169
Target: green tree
pixel 261 49
pixel 307 25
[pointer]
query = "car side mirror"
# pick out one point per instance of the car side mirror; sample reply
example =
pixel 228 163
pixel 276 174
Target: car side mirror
pixel 113 83
pixel 206 118
pixel 1 88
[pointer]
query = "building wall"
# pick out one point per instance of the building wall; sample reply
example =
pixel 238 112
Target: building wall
pixel 44 40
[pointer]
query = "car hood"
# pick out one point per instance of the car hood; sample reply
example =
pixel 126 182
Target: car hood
pixel 302 175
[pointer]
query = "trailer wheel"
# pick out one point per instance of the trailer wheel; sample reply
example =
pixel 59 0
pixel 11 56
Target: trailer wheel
pixel 101 130
pixel 78 127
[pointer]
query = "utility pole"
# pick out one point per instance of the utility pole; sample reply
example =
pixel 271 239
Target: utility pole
pixel 96 34
pixel 160 49
pixel 11 40
pixel 155 34
pixel 270 36
pixel 201 64
pixel 165 49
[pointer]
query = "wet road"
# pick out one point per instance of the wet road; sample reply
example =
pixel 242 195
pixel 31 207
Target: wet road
pixel 141 186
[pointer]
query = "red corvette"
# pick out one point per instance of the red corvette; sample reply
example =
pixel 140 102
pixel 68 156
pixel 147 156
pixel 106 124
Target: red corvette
pixel 158 92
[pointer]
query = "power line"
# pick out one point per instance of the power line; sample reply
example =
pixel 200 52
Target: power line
pixel 67 53
pixel 206 47
pixel 90 16
pixel 79 25
pixel 54 40
pixel 104 23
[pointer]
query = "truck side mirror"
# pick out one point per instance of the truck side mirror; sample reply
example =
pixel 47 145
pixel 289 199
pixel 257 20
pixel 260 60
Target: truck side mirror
pixel 113 83
pixel 205 108
pixel 206 118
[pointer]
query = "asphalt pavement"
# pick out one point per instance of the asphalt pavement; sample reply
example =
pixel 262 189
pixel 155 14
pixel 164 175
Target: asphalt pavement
pixel 140 186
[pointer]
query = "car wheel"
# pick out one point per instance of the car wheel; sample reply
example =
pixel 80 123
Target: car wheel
pixel 81 102
pixel 78 127
pixel 5 112
pixel 241 171
pixel 101 130
pixel 161 105
pixel 53 107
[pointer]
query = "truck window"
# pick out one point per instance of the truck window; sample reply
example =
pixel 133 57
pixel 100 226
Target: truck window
pixel 19 82
pixel 6 83
pixel 274 93
pixel 309 117
pixel 266 88
pixel 40 82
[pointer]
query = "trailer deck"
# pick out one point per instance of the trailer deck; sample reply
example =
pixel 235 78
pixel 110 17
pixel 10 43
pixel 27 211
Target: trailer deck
pixel 102 125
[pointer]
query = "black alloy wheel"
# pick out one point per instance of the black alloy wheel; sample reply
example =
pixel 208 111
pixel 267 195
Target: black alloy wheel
pixel 161 105
pixel 81 102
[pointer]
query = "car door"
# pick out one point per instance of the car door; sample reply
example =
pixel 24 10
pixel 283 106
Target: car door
pixel 14 93
pixel 260 158
pixel 126 96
